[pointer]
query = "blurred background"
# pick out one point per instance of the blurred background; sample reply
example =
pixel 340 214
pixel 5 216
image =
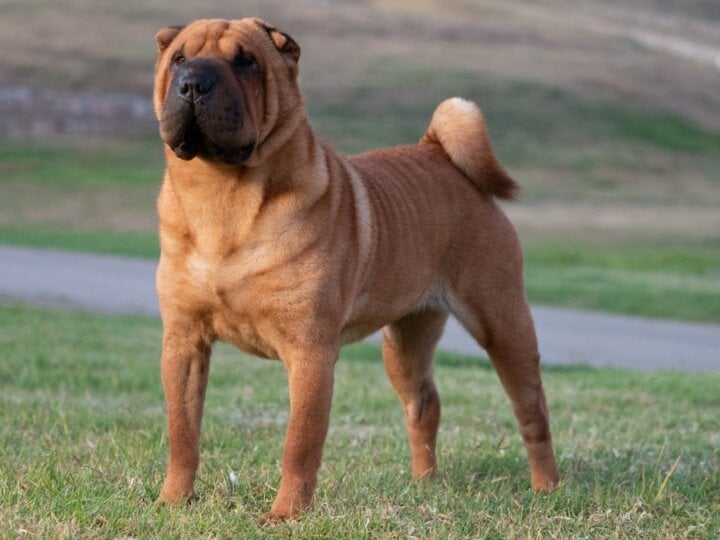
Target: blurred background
pixel 607 113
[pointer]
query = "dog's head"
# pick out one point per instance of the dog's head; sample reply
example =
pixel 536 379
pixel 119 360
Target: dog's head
pixel 222 88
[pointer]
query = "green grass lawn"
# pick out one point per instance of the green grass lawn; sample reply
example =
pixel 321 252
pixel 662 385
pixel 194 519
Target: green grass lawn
pixel 83 446
pixel 681 282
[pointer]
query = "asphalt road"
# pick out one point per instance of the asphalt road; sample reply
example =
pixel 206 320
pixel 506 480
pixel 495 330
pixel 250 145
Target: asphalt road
pixel 112 284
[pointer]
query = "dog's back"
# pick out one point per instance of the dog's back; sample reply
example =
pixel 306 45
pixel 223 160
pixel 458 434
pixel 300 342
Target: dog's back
pixel 434 216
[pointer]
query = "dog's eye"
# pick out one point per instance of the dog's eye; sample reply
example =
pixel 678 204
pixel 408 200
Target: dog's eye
pixel 244 60
pixel 177 59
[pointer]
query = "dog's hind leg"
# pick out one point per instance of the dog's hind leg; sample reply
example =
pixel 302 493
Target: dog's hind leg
pixel 408 349
pixel 496 313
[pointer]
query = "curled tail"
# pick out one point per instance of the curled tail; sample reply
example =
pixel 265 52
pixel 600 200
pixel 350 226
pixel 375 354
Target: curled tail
pixel 459 127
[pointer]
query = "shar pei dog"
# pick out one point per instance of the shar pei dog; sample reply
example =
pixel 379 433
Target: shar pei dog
pixel 276 243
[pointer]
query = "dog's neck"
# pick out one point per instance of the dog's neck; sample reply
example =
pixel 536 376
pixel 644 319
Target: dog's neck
pixel 274 166
pixel 198 191
pixel 279 136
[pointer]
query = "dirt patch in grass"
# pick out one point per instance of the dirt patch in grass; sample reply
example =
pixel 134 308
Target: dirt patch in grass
pixel 620 224
pixel 131 209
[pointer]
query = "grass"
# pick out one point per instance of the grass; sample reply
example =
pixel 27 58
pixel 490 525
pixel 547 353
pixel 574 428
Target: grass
pixel 669 282
pixel 521 113
pixel 83 447
pixel 589 47
pixel 132 244
pixel 83 164
pixel 560 145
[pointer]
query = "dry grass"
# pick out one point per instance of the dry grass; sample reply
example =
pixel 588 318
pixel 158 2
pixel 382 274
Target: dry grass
pixel 591 45
pixel 413 54
pixel 131 209
pixel 574 222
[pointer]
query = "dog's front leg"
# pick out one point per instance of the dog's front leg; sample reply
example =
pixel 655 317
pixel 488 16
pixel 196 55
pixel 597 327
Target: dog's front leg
pixel 185 366
pixel 310 377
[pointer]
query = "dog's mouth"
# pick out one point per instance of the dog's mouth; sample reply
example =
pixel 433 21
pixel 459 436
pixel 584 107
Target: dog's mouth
pixel 194 143
pixel 191 141
pixel 204 116
pixel 190 144
pixel 210 129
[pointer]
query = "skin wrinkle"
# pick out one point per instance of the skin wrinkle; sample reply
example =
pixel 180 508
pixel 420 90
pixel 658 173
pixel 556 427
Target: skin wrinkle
pixel 295 250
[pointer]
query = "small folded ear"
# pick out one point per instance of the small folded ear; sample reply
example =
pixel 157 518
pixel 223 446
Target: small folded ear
pixel 166 36
pixel 284 43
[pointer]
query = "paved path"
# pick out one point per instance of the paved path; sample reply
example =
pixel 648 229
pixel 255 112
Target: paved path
pixel 122 285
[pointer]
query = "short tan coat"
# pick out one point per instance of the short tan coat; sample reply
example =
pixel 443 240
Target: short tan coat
pixel 274 242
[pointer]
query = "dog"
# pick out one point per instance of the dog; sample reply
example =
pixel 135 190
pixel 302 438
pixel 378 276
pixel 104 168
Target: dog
pixel 272 241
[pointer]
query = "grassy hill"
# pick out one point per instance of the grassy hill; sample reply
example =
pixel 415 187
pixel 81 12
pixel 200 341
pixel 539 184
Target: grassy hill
pixel 606 113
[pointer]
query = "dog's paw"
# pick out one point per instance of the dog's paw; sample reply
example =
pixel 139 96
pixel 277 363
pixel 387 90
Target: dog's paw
pixel 170 497
pixel 272 518
pixel 544 483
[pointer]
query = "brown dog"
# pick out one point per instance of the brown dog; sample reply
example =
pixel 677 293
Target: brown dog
pixel 275 243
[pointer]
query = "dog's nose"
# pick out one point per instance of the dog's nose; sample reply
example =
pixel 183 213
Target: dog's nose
pixel 195 79
pixel 194 85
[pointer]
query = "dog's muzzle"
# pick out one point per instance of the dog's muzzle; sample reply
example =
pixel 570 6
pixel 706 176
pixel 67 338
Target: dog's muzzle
pixel 203 115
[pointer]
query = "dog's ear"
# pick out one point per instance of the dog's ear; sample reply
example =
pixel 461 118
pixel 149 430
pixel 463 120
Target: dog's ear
pixel 284 43
pixel 166 36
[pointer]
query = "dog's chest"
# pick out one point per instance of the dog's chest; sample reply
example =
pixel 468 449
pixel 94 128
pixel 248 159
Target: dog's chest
pixel 224 290
pixel 244 297
pixel 203 271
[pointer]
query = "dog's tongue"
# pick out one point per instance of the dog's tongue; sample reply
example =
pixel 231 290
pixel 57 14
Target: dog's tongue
pixel 185 151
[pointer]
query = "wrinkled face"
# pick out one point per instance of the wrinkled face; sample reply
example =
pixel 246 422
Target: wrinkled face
pixel 221 86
